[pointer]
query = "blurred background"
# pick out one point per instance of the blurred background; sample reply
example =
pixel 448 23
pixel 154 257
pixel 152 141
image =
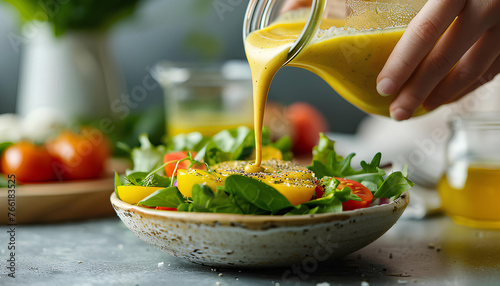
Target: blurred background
pixel 189 30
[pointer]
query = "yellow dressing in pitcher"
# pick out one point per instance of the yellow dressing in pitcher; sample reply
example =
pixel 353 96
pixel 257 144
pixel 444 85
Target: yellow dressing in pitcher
pixel 347 59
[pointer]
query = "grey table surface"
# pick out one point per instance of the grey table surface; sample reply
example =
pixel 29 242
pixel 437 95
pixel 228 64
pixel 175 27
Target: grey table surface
pixel 433 251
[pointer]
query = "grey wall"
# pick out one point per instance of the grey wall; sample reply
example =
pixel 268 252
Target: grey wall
pixel 188 30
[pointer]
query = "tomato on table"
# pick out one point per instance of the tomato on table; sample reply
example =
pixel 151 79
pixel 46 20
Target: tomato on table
pixel 307 122
pixel 29 162
pixel 175 157
pixel 80 155
pixel 359 190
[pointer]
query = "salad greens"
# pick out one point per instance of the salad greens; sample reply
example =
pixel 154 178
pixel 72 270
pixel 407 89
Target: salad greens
pixel 243 195
pixel 227 145
pixel 370 175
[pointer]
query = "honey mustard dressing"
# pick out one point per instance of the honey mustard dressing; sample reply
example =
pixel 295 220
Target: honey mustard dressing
pixel 347 59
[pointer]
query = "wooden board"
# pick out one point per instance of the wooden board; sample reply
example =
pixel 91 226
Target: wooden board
pixel 61 201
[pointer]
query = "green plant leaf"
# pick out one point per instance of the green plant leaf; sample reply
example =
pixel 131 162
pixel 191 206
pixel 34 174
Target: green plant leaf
pixel 117 183
pixel 393 186
pixel 147 180
pixel 257 193
pixel 147 157
pixel 169 198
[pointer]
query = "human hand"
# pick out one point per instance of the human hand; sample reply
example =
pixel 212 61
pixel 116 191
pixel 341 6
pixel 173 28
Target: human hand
pixel 433 65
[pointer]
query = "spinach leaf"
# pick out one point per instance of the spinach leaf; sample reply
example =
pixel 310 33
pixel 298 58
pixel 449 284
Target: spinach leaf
pixel 393 186
pixel 300 210
pixel 169 198
pixel 247 207
pixel 206 200
pixel 257 193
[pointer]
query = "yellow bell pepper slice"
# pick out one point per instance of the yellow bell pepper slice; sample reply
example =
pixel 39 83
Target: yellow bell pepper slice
pixel 186 179
pixel 135 194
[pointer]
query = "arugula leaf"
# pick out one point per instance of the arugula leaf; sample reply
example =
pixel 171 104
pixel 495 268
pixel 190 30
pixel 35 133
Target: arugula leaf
pixel 147 180
pixel 329 203
pixel 169 197
pixel 257 193
pixel 393 186
pixel 147 157
pixel 323 149
pixel 369 174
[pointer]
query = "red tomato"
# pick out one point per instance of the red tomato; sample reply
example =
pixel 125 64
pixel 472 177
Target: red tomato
pixel 166 209
pixel 320 191
pixel 29 162
pixel 79 156
pixel 307 122
pixel 175 157
pixel 359 190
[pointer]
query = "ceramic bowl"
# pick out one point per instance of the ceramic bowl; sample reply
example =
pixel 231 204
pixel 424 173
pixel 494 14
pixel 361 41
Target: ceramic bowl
pixel 248 241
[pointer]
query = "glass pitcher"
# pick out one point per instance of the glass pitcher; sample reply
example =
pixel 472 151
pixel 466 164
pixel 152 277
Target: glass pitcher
pixel 344 42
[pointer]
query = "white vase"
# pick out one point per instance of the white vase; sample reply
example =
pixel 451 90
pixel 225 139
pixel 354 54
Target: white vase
pixel 72 74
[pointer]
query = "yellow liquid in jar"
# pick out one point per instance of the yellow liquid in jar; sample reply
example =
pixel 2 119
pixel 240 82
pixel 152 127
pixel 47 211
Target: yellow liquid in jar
pixel 474 204
pixel 176 127
pixel 348 60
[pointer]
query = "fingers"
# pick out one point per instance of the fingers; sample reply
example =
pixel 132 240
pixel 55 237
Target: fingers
pixel 295 4
pixel 486 77
pixel 454 43
pixel 417 42
pixel 469 72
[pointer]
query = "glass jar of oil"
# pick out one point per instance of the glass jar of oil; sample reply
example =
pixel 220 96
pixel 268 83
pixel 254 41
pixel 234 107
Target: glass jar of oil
pixel 470 188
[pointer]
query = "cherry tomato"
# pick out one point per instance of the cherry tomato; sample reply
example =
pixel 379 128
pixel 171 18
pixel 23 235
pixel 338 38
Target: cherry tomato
pixel 320 191
pixel 166 209
pixel 175 157
pixel 359 190
pixel 29 162
pixel 79 156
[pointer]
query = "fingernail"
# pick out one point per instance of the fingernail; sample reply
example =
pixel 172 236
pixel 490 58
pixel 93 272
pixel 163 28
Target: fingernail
pixel 400 114
pixel 386 87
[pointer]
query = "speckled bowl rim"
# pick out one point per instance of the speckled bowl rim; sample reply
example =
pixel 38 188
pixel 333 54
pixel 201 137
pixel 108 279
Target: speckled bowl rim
pixel 259 221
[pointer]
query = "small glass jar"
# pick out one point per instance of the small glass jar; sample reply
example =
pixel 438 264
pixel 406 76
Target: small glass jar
pixel 206 98
pixel 470 189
